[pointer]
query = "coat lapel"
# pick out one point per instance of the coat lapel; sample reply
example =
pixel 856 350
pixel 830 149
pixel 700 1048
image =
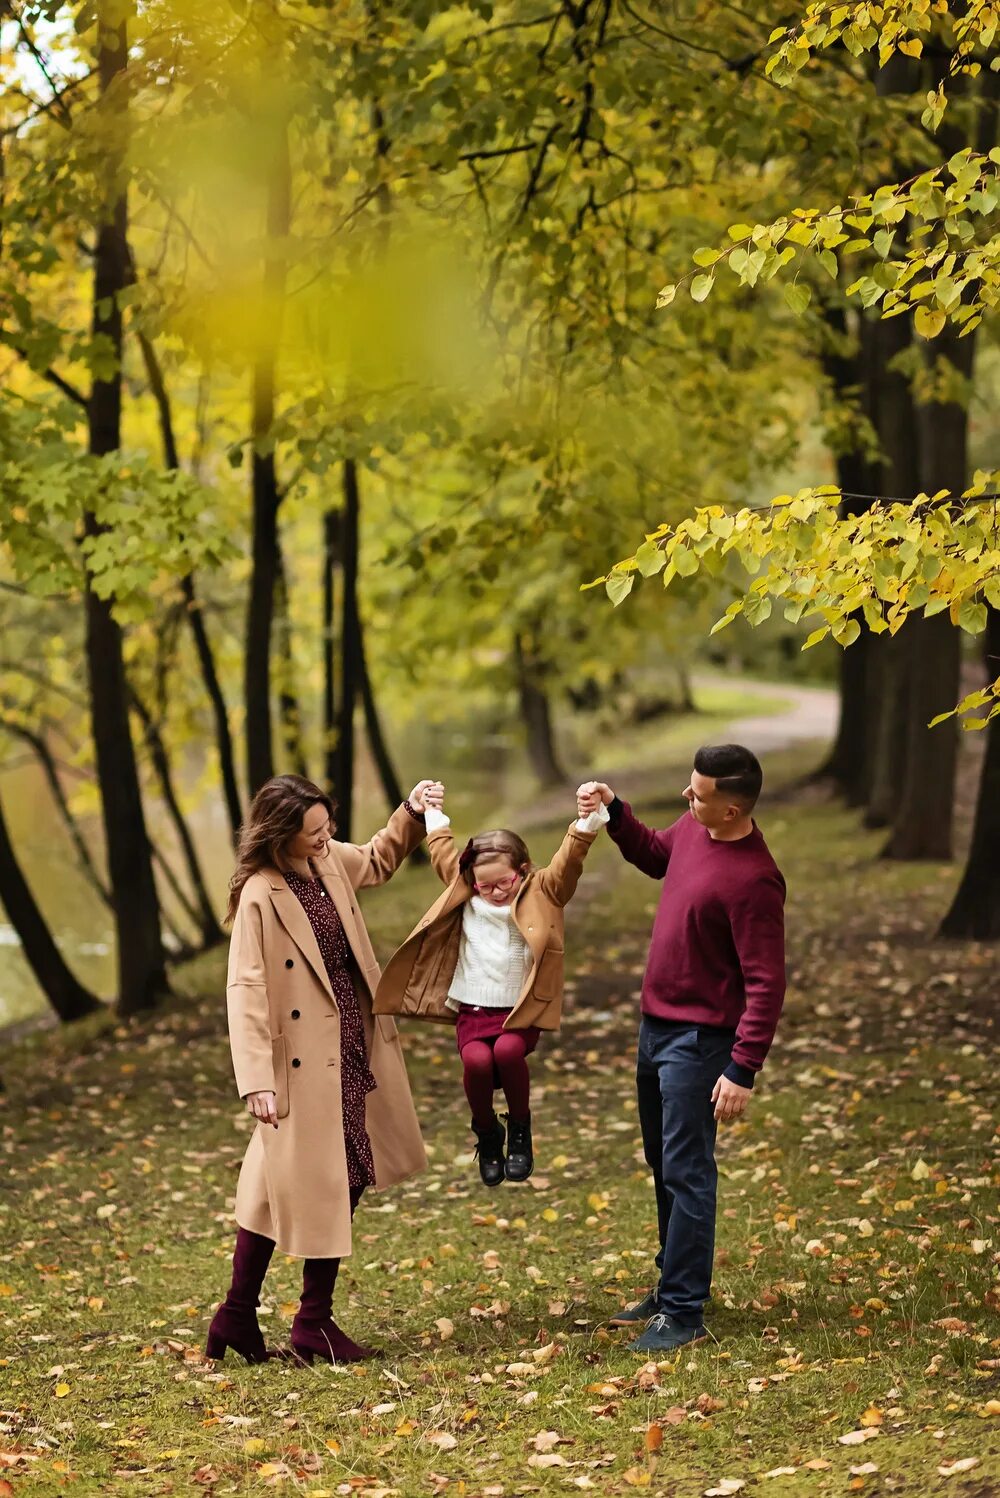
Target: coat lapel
pixel 296 923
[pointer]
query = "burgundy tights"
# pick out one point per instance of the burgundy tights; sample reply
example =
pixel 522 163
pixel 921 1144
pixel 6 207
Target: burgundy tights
pixel 483 1064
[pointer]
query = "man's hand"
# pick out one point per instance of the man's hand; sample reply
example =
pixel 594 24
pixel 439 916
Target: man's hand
pixel 590 795
pixel 730 1099
pixel 427 793
pixel 263 1107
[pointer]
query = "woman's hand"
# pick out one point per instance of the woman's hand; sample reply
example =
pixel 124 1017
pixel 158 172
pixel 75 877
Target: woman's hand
pixel 263 1107
pixel 427 793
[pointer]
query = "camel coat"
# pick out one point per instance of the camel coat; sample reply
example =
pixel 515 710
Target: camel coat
pixel 284 1030
pixel 418 975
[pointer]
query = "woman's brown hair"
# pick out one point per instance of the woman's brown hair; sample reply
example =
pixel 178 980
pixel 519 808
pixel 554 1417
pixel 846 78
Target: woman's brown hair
pixel 497 844
pixel 275 817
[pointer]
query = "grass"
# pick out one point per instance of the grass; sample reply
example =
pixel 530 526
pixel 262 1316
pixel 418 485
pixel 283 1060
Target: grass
pixel 856 1285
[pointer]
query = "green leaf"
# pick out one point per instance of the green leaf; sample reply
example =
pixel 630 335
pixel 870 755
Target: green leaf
pixel 650 559
pixel 706 255
pixel 666 296
pixel 700 287
pixel 816 636
pixel 740 231
pixel 797 296
pixel 684 561
pixel 972 616
pixel 618 586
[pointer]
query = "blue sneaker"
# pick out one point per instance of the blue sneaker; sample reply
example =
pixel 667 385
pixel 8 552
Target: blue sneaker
pixel 635 1315
pixel 664 1334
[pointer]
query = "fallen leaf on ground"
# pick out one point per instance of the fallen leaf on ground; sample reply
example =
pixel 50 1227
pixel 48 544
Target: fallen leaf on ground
pixel 445 1328
pixel 547 1459
pixel 963 1464
pixel 781 1472
pixel 856 1437
pixel 441 1438
pixel 546 1440
pixel 865 1470
pixel 872 1416
pixel 725 1486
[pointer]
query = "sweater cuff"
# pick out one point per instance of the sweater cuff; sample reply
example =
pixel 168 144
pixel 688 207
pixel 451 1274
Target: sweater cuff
pixel 741 1075
pixel 616 808
pixel 435 819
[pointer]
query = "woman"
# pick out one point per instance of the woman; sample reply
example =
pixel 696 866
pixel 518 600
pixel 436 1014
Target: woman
pixel 323 1077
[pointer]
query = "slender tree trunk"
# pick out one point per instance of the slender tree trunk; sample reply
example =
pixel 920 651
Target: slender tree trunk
pixel 975 910
pixel 331 557
pixel 850 374
pixel 45 758
pixel 65 993
pixel 265 490
pixel 193 610
pixel 924 812
pixel 208 926
pixel 350 652
pixel 536 715
pixel 141 971
pixel 289 707
pixel 899 474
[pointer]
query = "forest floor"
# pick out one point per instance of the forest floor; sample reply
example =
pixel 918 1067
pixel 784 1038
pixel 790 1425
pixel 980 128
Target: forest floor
pixel 855 1338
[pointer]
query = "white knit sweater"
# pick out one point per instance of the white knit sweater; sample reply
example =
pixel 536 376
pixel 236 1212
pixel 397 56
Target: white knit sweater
pixel 493 957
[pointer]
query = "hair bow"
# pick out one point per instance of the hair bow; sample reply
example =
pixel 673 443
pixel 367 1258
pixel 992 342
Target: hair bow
pixel 467 857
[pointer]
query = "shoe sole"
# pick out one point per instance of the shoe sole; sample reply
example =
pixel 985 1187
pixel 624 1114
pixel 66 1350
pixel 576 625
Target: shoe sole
pixel 647 1352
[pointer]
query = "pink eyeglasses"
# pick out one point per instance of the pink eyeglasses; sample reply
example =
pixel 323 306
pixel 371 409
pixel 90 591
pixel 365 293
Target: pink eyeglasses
pixel 498 887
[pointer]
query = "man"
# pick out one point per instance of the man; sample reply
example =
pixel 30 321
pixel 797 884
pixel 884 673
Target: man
pixel 711 997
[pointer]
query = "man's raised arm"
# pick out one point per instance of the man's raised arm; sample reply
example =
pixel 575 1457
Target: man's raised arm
pixel 646 847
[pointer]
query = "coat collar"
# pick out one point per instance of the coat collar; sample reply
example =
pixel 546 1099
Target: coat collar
pixel 296 922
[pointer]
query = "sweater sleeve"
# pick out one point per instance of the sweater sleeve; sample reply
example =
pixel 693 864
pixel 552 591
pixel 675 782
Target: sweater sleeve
pixel 758 927
pixel 646 847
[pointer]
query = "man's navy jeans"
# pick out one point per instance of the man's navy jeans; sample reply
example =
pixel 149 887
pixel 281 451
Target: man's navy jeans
pixel 678 1066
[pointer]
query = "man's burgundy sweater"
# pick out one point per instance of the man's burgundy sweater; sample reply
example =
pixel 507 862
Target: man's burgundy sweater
pixel 717 952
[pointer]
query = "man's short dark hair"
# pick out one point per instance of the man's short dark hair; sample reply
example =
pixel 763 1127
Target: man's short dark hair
pixel 734 769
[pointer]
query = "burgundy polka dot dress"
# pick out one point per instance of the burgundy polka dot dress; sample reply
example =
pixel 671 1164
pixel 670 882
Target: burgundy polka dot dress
pixel 355 1073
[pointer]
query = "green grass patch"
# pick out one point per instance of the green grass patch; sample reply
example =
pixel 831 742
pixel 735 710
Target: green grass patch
pixel 856 1287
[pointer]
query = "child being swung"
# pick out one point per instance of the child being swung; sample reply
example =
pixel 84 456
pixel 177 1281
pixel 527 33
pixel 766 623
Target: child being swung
pixel 488 956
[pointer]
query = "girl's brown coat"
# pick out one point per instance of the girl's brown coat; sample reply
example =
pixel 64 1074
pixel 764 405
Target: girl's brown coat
pixel 418 975
pixel 284 1030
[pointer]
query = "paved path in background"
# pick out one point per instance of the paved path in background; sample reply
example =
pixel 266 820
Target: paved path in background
pixel 811 715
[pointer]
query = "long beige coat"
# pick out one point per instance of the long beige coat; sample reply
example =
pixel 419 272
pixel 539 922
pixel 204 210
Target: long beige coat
pixel 284 1030
pixel 419 973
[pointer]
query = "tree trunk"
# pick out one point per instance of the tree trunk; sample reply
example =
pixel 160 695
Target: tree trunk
pixel 331 558
pixel 141 972
pixel 220 714
pixel 536 715
pixel 924 813
pixel 289 707
pixel 264 480
pixel 205 919
pixel 975 910
pixel 47 762
pixel 193 609
pixel 66 994
pixel 851 376
pixel 898 474
pixel 350 651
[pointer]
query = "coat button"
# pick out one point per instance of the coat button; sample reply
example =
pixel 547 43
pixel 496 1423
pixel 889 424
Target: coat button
pixel 295 1014
pixel 289 962
pixel 296 1062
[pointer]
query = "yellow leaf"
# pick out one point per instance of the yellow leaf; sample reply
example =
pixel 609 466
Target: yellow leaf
pixel 912 48
pixel 920 1171
pixel 270 1469
pixel 168 1456
pixel 333 1446
pixel 550 1215
pixel 254 1445
pixel 637 1477
pixel 61 1390
pixel 928 322
pixel 6 1289
pixel 872 1416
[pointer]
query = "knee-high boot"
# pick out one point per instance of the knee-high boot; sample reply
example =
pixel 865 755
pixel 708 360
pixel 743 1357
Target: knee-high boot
pixel 235 1322
pixel 315 1334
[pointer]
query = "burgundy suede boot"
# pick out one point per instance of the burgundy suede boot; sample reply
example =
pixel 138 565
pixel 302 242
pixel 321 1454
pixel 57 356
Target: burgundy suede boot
pixel 315 1334
pixel 235 1322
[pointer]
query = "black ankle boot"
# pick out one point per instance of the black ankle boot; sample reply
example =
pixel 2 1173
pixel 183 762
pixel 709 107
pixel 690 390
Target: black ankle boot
pixel 489 1148
pixel 520 1160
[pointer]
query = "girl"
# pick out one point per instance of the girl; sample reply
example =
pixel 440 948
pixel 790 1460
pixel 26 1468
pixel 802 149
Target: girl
pixel 488 956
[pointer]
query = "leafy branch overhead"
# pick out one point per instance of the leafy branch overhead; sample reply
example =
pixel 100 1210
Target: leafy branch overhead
pixel 931 237
pixel 923 556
